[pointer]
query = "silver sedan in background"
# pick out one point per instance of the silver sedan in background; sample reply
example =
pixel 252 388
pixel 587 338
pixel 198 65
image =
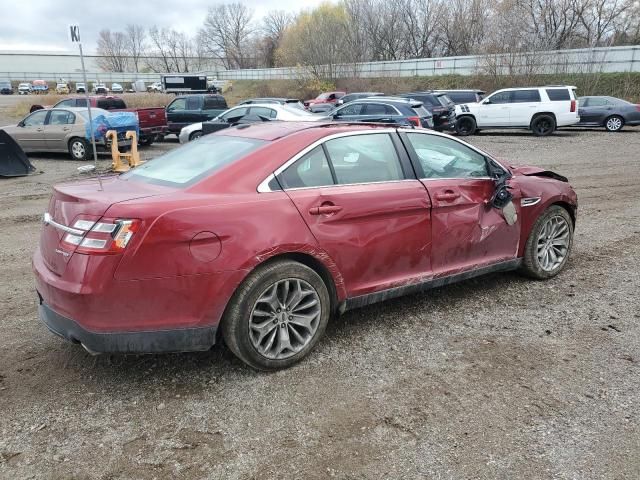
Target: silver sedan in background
pixel 267 111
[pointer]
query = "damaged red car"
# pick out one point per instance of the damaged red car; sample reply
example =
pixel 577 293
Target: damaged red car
pixel 261 233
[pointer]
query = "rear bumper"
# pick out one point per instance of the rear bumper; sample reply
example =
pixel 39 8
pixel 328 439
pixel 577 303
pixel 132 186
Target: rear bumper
pixel 179 340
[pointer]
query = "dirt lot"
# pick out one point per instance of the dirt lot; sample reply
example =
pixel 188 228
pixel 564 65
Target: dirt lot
pixel 499 377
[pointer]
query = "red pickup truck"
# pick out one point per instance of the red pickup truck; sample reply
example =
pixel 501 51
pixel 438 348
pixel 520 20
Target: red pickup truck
pixel 153 120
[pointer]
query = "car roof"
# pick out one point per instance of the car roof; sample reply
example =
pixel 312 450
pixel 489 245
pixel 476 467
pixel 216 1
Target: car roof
pixel 275 130
pixel 461 90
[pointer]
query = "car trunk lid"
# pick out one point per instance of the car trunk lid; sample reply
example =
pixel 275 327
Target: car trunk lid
pixel 82 200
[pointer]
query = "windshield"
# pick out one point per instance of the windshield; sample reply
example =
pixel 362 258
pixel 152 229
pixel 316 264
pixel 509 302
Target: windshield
pixel 194 161
pixel 323 96
pixel 5 84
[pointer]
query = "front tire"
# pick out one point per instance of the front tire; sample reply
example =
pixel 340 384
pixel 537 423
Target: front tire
pixel 466 126
pixel 195 135
pixel 549 244
pixel 277 315
pixel 614 123
pixel 79 149
pixel 543 125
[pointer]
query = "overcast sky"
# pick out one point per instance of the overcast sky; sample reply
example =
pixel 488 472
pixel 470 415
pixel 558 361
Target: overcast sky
pixel 43 24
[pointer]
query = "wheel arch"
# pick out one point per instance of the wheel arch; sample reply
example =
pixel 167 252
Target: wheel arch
pixel 537 114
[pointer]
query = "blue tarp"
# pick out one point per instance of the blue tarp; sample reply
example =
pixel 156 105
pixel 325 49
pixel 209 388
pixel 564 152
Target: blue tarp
pixel 118 121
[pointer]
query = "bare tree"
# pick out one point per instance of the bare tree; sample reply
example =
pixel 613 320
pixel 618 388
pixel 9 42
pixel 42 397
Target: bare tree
pixel 227 34
pixel 136 37
pixel 464 24
pixel 112 51
pixel 171 51
pixel 274 24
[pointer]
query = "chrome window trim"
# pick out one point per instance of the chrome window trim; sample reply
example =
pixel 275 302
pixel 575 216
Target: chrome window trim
pixel 263 187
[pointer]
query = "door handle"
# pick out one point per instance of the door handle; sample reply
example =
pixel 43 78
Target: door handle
pixel 325 210
pixel 39 129
pixel 447 195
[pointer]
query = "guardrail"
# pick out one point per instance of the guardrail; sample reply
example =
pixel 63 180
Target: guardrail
pixel 586 60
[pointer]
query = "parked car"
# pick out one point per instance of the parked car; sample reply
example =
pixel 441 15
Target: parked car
pixel 252 113
pixel 81 87
pixel 292 102
pixel 539 109
pixel 189 109
pixel 5 87
pixel 116 88
pixel 39 87
pixel 254 252
pixel 24 88
pixel 152 120
pixel 463 96
pixel 350 97
pixel 100 89
pixel 62 88
pixel 59 130
pixel 155 87
pixel 324 102
pixel 440 106
pixel 392 110
pixel 608 112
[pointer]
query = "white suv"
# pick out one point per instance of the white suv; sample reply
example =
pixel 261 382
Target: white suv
pixel 539 109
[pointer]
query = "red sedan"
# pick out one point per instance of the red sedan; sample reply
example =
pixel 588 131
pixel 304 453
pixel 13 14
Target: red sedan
pixel 261 233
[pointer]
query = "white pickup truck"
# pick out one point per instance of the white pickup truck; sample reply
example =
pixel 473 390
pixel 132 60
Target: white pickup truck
pixel 539 109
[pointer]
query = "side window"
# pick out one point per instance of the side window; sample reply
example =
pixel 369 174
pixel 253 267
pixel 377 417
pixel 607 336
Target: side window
pixel 177 105
pixel 379 109
pixel 193 103
pixel 525 96
pixel 263 112
pixel 81 102
pixel 36 118
pixel 502 97
pixel 364 158
pixel 212 103
pixel 558 94
pixel 351 109
pixel 310 170
pixel 234 113
pixel 61 117
pixel 446 158
pixel 583 101
pixel 598 102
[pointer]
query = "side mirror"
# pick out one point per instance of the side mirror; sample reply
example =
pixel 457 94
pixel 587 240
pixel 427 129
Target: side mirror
pixel 486 101
pixel 21 123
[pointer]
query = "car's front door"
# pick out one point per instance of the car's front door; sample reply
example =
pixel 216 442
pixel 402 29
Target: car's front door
pixel 494 110
pixel 176 114
pixel 349 113
pixel 58 128
pixel 357 195
pixel 467 231
pixel 30 132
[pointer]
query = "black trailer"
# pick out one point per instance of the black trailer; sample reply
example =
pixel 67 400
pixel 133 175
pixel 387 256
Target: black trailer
pixel 180 84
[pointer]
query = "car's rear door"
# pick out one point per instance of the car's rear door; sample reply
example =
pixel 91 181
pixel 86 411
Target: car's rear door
pixel 594 111
pixel 57 128
pixel 361 201
pixel 524 104
pixel 467 232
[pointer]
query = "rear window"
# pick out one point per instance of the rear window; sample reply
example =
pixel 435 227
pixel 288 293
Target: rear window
pixel 422 112
pixel 445 100
pixel 110 103
pixel 194 161
pixel 558 94
pixel 524 96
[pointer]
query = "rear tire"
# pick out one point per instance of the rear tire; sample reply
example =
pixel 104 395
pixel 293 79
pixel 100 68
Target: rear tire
pixel 79 148
pixel 549 244
pixel 466 126
pixel 614 123
pixel 277 315
pixel 146 141
pixel 543 125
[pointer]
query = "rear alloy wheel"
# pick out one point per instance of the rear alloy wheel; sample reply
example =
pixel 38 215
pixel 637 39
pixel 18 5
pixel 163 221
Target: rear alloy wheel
pixel 549 244
pixel 614 123
pixel 277 315
pixel 465 126
pixel 195 135
pixel 543 125
pixel 79 149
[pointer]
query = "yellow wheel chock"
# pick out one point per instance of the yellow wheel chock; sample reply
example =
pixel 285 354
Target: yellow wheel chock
pixel 122 162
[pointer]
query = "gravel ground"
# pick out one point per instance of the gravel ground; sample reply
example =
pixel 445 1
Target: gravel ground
pixel 497 378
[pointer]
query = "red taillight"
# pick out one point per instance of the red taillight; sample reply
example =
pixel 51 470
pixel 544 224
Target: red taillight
pixel 573 105
pixel 638 107
pixel 414 120
pixel 107 236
